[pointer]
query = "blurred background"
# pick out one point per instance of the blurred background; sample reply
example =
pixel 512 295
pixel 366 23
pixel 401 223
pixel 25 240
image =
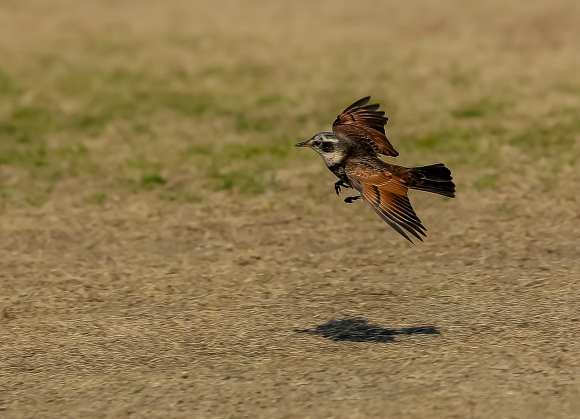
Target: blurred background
pixel 189 98
pixel 157 226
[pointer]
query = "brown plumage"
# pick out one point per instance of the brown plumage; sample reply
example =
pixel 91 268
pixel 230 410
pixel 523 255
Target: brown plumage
pixel 352 152
pixel 365 124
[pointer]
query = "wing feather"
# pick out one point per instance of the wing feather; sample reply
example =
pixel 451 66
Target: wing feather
pixel 365 123
pixel 386 193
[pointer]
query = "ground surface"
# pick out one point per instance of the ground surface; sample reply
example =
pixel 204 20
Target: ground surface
pixel 161 240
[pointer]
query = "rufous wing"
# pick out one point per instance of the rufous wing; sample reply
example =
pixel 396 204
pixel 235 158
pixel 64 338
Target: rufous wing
pixel 387 195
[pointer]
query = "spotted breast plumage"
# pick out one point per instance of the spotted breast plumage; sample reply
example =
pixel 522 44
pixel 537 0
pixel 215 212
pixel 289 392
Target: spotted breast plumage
pixel 351 151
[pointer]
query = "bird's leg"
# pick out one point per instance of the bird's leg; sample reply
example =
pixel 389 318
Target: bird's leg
pixel 337 186
pixel 351 199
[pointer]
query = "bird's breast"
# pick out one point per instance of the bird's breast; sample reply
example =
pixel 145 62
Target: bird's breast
pixel 339 172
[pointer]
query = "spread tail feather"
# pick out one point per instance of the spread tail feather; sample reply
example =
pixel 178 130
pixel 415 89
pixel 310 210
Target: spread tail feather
pixel 435 178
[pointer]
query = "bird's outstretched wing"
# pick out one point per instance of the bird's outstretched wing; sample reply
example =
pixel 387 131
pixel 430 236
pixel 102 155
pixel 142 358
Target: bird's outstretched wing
pixel 365 123
pixel 386 193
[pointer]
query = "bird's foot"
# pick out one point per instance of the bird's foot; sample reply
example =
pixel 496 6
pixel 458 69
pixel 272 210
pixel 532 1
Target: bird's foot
pixel 337 186
pixel 351 199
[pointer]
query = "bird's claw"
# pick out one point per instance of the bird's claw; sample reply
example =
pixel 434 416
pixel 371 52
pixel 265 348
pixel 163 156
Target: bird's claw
pixel 351 199
pixel 337 186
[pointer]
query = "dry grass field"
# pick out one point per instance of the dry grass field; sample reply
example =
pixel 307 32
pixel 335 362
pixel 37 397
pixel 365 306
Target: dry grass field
pixel 161 240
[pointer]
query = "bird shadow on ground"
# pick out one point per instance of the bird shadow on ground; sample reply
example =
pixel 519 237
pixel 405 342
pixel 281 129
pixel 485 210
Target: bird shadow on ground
pixel 359 330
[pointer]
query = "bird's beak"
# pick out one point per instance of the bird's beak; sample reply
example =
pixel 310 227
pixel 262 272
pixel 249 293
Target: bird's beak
pixel 302 144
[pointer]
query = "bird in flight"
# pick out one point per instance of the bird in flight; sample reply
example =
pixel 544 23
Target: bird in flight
pixel 351 151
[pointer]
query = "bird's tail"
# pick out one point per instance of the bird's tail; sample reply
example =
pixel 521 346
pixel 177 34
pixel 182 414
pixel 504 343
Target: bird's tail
pixel 435 178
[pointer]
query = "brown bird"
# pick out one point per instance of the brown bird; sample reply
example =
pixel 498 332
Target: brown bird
pixel 351 151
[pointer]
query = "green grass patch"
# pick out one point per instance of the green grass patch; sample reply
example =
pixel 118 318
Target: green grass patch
pixel 140 389
pixel 570 88
pixel 38 199
pixel 48 164
pixel 200 150
pixel 28 124
pixel 45 125
pixel 181 197
pixel 231 119
pixel 98 198
pixel 274 99
pixel 277 150
pixel 150 174
pixel 241 74
pixel 146 167
pixel 245 123
pixel 244 168
pixel 104 109
pixel 434 289
pixel 486 182
pixel 75 83
pixel 189 104
pixel 29 157
pixel 453 140
pixel 150 182
pixel 561 136
pixel 478 109
pixel 74 159
pixel 7 86
pixel 459 80
pixel 249 182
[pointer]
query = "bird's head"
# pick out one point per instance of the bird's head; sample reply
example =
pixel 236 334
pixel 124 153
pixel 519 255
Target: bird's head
pixel 327 145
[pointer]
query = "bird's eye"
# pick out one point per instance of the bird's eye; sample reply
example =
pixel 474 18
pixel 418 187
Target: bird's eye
pixel 316 143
